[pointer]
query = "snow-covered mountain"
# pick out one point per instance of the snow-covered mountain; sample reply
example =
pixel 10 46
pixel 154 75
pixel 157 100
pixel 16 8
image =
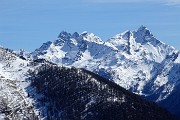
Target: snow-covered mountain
pixel 135 60
pixel 40 90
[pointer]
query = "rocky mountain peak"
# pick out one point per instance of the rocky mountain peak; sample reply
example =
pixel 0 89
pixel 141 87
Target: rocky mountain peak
pixel 126 35
pixel 75 35
pixel 143 35
pixel 144 31
pixel 64 34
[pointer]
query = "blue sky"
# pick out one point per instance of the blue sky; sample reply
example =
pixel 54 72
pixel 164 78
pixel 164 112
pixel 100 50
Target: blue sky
pixel 29 23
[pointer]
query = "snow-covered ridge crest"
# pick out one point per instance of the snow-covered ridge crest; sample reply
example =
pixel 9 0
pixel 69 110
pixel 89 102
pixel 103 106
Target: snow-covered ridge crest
pixel 88 36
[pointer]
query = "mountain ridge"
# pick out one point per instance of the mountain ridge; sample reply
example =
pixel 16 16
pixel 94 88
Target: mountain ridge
pixel 39 89
pixel 135 60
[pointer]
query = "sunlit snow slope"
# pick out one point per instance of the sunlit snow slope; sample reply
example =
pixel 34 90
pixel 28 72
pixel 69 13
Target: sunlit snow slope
pixel 14 104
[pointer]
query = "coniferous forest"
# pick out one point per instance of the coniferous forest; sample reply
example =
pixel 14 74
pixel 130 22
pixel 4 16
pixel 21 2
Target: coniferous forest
pixel 76 94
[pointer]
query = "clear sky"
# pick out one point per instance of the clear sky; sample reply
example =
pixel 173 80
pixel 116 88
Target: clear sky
pixel 29 23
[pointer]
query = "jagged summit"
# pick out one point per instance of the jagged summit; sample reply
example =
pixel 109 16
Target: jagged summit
pixel 143 28
pixel 84 35
pixel 64 34
pixel 143 35
pixel 124 35
pixel 144 32
pixel 75 35
pixel 139 43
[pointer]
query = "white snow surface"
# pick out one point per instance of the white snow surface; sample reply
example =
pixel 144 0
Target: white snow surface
pixel 13 83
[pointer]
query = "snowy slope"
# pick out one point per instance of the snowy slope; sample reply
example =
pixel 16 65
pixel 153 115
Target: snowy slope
pixel 136 60
pixel 14 103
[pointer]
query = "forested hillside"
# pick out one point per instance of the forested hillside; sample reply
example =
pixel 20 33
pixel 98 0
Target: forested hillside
pixel 77 94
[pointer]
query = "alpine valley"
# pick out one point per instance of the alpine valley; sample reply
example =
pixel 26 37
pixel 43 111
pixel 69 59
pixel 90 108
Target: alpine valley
pixel 80 76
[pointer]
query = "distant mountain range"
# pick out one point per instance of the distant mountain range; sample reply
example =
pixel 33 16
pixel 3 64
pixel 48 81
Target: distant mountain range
pixel 135 60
